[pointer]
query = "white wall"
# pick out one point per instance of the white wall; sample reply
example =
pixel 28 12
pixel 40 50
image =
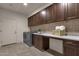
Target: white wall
pixel 21 22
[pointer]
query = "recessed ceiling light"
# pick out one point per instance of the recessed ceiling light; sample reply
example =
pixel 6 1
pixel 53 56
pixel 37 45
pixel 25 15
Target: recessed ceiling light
pixel 25 4
pixel 43 12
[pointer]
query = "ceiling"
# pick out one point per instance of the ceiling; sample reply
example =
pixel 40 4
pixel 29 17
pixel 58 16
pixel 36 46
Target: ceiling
pixel 20 8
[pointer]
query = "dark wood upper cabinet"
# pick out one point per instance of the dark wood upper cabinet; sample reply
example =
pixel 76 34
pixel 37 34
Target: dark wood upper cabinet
pixel 55 13
pixel 30 23
pixel 59 11
pixel 51 14
pixel 43 16
pixel 78 10
pixel 71 11
pixel 36 19
pixel 33 19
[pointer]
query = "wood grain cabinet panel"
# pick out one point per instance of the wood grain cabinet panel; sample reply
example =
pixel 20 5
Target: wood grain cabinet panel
pixel 35 20
pixel 71 11
pixel 71 48
pixel 59 11
pixel 51 14
pixel 55 13
pixel 40 42
pixel 43 16
pixel 38 20
pixel 78 10
pixel 30 21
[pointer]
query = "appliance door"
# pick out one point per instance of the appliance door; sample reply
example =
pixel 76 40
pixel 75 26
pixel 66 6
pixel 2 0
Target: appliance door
pixel 27 38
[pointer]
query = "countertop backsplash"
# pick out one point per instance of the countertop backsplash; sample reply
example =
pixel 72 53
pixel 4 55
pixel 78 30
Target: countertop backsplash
pixel 73 33
pixel 72 27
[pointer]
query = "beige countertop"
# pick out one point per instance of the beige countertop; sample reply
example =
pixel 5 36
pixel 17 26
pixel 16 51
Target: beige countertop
pixel 65 37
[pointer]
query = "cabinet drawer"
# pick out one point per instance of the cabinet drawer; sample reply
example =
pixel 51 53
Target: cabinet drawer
pixel 71 48
pixel 68 42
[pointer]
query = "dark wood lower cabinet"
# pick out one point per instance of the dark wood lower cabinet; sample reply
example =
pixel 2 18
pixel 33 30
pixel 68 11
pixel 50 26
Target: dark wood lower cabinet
pixel 41 42
pixel 71 48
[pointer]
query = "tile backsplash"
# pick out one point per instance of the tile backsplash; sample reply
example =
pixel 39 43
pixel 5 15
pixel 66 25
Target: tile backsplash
pixel 71 26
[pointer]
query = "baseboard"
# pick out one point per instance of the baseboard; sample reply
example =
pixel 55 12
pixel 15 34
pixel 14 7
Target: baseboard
pixel 8 44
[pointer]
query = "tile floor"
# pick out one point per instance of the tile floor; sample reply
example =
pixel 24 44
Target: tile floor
pixel 21 49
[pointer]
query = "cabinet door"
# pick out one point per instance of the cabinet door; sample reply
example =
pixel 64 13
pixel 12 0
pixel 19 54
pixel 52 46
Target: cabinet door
pixel 34 20
pixel 78 10
pixel 38 19
pixel 40 44
pixel 77 50
pixel 45 43
pixel 30 21
pixel 71 10
pixel 51 14
pixel 43 16
pixel 37 41
pixel 70 50
pixel 59 11
pixel 34 41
